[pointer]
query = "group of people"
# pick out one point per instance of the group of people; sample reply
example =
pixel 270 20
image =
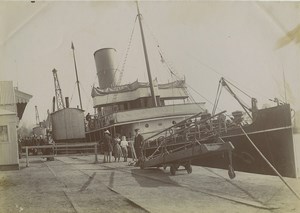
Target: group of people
pixel 116 146
pixel 31 141
pixel 35 140
pixel 119 146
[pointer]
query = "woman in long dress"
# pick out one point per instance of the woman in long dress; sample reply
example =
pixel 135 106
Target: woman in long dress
pixel 124 145
pixel 117 148
pixel 107 146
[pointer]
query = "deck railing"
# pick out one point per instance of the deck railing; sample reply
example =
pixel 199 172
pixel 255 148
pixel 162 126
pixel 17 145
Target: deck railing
pixel 60 150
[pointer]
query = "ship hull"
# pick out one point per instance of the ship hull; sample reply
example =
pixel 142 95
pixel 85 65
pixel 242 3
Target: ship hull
pixel 272 133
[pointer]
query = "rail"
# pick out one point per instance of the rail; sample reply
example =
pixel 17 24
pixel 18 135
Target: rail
pixel 61 150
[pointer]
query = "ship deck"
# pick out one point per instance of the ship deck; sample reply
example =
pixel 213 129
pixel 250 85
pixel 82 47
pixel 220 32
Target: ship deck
pixel 77 184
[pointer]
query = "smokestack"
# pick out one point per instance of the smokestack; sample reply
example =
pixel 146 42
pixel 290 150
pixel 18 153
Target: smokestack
pixel 105 64
pixel 67 102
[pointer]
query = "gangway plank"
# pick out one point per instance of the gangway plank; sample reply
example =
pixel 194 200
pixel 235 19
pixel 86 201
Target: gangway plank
pixel 178 148
pixel 187 154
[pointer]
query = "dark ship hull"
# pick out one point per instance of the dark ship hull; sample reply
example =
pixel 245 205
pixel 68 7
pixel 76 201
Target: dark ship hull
pixel 271 132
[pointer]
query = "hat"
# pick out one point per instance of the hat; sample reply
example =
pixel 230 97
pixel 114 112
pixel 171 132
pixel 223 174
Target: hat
pixel 106 131
pixel 137 129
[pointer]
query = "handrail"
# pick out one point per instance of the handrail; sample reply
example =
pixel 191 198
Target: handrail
pixel 55 146
pixel 181 122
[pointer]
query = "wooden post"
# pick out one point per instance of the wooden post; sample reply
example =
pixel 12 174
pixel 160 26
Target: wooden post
pixel 27 162
pixel 96 154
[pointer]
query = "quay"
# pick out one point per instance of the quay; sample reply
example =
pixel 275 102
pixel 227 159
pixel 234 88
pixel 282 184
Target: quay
pixel 78 184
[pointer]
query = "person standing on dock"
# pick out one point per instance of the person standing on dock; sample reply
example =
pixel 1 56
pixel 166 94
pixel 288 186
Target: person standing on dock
pixel 138 144
pixel 88 117
pixel 124 145
pixel 117 148
pixel 107 148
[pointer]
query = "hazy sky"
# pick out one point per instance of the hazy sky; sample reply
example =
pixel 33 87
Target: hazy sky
pixel 200 40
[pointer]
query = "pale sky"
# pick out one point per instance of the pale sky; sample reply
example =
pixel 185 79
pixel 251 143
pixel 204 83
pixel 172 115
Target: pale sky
pixel 202 41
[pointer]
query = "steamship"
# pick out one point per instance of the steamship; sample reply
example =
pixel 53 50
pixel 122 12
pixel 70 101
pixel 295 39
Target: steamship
pixel 123 108
pixel 150 107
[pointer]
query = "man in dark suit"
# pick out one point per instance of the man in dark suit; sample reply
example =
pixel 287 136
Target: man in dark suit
pixel 138 143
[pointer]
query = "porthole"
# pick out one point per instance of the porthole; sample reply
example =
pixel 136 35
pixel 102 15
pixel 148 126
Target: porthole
pixel 173 122
pixel 146 125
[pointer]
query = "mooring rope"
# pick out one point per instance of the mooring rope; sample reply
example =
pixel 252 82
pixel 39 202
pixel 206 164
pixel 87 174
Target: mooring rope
pixel 272 167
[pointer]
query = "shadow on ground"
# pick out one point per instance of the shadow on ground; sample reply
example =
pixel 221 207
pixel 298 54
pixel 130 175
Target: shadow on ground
pixel 152 178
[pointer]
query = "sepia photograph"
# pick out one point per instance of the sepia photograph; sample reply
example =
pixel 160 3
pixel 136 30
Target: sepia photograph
pixel 149 106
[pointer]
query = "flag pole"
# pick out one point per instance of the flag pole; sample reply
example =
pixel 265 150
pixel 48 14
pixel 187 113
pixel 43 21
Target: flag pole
pixel 284 84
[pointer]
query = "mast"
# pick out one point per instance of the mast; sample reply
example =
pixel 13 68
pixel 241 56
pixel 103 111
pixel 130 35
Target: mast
pixel 284 84
pixel 146 57
pixel 77 82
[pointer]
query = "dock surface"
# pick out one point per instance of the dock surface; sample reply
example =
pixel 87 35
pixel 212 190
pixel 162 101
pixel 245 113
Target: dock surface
pixel 78 184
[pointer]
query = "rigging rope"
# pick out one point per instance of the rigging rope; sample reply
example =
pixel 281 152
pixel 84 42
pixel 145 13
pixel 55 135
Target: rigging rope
pixel 238 99
pixel 72 93
pixel 125 60
pixel 160 51
pixel 89 98
pixel 219 90
pixel 214 70
pixel 167 64
pixel 238 88
pixel 188 93
pixel 127 50
pixel 220 74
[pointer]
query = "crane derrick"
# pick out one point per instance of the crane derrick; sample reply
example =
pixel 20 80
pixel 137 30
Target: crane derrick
pixel 37 117
pixel 59 98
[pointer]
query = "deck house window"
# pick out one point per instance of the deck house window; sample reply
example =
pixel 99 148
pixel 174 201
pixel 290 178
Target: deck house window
pixel 3 134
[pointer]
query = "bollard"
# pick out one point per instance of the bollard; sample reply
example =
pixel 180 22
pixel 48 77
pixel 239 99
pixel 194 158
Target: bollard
pixel 96 152
pixel 27 162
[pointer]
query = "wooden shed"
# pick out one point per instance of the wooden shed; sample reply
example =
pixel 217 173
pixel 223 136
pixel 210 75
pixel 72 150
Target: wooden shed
pixel 12 105
pixel 9 158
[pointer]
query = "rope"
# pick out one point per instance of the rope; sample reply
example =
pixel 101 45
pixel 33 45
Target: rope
pixel 220 74
pixel 266 160
pixel 167 64
pixel 188 93
pixel 237 88
pixel 89 99
pixel 127 51
pixel 190 96
pixel 219 90
pixel 172 73
pixel 72 93
pixel 211 68
pixel 160 51
pixel 125 60
pixel 239 99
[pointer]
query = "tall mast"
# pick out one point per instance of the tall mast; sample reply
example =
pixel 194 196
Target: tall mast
pixel 146 57
pixel 284 84
pixel 77 82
